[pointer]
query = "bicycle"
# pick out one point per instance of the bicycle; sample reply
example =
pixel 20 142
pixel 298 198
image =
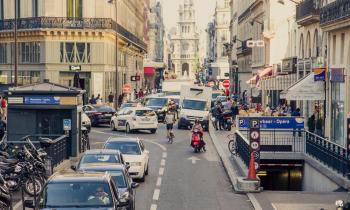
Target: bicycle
pixel 232 147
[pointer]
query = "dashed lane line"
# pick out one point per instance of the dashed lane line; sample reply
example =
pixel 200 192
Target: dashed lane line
pixel 156 194
pixel 153 207
pixel 162 162
pixel 159 181
pixel 161 171
pixel 164 155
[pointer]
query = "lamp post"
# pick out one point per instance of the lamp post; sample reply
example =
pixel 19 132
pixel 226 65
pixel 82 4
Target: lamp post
pixel 116 53
pixel 15 40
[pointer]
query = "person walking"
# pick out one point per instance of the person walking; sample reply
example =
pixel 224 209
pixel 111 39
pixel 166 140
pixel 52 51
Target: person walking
pixel 215 114
pixel 221 116
pixel 311 123
pixel 141 94
pixel 136 94
pixel 110 99
pixel 92 100
pixel 98 99
pixel 3 108
pixel 120 99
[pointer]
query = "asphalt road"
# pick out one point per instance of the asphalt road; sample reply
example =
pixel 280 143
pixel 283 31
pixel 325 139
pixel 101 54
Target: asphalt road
pixel 179 178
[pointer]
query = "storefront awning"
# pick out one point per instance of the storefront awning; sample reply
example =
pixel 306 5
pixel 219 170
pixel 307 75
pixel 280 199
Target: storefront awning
pixel 252 81
pixel 305 89
pixel 148 70
pixel 265 72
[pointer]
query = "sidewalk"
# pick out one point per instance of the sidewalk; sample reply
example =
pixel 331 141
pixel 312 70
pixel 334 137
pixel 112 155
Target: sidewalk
pixel 272 200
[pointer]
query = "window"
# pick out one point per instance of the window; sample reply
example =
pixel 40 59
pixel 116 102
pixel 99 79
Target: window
pixel 71 52
pixel 75 8
pixel 28 77
pixel 29 52
pixel 342 43
pixel 18 8
pixel 1 9
pixel 337 95
pixel 3 53
pixel 35 8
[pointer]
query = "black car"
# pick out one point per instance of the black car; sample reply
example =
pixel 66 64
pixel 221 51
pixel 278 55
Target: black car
pixel 108 156
pixel 121 177
pixel 159 105
pixel 99 114
pixel 83 191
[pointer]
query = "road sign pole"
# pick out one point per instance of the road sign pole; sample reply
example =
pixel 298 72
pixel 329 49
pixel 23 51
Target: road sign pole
pixel 254 143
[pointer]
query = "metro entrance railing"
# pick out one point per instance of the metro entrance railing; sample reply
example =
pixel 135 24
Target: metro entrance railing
pixel 327 152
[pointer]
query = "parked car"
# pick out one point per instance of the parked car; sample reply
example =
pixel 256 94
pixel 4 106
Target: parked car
pixel 79 191
pixel 85 121
pixel 99 114
pixel 134 154
pixel 121 177
pixel 108 156
pixel 132 119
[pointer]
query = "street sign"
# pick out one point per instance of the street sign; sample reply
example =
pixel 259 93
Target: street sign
pixel 75 68
pixel 126 88
pixel 254 141
pixel 226 83
pixel 41 100
pixel 67 124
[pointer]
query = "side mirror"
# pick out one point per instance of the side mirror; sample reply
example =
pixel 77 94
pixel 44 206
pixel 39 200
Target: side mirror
pixel 134 185
pixel 73 167
pixel 29 203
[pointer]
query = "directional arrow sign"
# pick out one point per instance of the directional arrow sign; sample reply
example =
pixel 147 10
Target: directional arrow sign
pixel 194 159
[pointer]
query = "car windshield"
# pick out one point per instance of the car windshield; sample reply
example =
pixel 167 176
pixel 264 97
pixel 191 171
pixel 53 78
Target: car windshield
pixel 127 148
pixel 127 105
pixel 156 102
pixel 195 105
pixel 99 158
pixel 76 195
pixel 144 113
pixel 104 109
pixel 117 175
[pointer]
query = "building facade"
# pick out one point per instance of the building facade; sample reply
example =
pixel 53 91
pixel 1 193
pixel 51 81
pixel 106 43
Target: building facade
pixel 186 42
pixel 76 39
pixel 222 16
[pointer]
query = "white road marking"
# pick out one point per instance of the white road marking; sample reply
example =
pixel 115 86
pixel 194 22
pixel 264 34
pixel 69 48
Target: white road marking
pixel 194 159
pixel 165 154
pixel 162 162
pixel 273 206
pixel 161 171
pixel 153 207
pixel 159 181
pixel 17 205
pixel 156 194
pixel 114 134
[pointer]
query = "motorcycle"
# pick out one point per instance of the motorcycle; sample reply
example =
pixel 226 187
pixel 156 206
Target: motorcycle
pixel 5 197
pixel 196 141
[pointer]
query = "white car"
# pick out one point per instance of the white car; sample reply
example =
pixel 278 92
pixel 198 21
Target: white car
pixel 135 118
pixel 85 121
pixel 134 153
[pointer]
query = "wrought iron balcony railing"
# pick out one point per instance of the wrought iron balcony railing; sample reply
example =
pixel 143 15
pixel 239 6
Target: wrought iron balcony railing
pixel 335 11
pixel 307 12
pixel 71 23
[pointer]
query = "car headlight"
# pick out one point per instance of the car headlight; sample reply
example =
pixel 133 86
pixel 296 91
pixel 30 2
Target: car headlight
pixel 135 164
pixel 125 197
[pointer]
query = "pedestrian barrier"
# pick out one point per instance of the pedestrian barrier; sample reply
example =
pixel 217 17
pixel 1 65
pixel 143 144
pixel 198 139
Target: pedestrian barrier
pixel 328 153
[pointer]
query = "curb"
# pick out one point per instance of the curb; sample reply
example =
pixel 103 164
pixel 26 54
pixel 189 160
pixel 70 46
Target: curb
pixel 229 169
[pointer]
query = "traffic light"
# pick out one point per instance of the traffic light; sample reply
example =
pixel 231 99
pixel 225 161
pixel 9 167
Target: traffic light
pixel 135 78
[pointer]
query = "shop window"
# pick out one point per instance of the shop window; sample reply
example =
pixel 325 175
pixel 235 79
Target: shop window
pixel 337 112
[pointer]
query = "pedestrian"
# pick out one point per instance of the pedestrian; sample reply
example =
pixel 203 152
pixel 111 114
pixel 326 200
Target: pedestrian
pixel 92 100
pixel 267 110
pixel 3 108
pixel 227 92
pixel 136 94
pixel 296 114
pixel 120 99
pixel 141 93
pixel 110 99
pixel 221 116
pixel 319 127
pixel 311 123
pixel 235 112
pixel 98 99
pixel 215 113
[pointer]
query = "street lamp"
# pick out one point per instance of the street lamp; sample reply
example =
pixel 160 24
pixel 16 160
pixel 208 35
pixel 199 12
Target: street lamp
pixel 116 53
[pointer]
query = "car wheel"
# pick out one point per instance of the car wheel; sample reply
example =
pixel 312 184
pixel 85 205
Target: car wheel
pixel 146 172
pixel 127 128
pixel 143 178
pixel 153 131
pixel 113 126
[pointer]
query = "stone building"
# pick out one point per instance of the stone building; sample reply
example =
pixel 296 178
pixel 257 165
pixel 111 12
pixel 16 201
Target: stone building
pixel 185 42
pixel 63 40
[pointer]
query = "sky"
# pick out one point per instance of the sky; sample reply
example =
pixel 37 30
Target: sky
pixel 204 12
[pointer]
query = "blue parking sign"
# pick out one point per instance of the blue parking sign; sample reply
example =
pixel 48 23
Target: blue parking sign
pixel 67 124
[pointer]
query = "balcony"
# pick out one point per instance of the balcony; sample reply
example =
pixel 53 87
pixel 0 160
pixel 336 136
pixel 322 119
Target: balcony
pixel 335 13
pixel 307 12
pixel 72 23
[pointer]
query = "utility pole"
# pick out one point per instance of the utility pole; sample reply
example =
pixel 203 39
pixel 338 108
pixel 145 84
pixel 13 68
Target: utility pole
pixel 15 38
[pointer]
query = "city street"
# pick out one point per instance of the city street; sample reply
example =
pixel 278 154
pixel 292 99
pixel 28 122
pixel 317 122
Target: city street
pixel 179 178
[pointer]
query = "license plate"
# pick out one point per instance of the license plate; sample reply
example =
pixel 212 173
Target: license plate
pixel 145 119
pixel 108 115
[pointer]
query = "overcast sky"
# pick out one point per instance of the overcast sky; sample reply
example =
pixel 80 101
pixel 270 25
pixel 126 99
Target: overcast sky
pixel 204 12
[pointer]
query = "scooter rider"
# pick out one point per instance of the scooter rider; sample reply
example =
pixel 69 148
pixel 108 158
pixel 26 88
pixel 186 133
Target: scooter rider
pixel 199 127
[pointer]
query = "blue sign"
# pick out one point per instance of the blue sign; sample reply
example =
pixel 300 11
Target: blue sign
pixel 320 74
pixel 273 122
pixel 337 75
pixel 42 100
pixel 67 124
